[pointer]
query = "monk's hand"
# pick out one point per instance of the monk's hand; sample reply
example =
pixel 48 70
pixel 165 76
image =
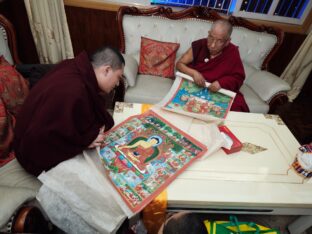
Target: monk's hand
pixel 98 140
pixel 214 86
pixel 199 79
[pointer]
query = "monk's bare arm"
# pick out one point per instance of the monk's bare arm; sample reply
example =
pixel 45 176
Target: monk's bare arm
pixel 181 65
pixel 185 59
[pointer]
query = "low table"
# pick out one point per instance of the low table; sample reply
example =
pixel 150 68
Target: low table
pixel 242 182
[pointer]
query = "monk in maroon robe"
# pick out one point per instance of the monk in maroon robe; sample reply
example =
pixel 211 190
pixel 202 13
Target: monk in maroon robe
pixel 216 60
pixel 65 113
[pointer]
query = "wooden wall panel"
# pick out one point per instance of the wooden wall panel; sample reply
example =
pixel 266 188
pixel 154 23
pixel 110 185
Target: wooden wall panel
pixel 90 29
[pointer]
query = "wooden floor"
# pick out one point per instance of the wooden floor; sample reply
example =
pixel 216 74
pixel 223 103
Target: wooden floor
pixel 298 114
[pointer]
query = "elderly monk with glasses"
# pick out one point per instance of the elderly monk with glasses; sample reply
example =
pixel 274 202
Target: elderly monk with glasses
pixel 216 60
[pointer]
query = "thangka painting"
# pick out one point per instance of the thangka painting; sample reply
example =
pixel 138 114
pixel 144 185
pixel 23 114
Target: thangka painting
pixel 185 97
pixel 143 154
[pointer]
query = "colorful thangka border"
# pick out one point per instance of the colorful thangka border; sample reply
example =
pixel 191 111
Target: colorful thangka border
pixel 198 102
pixel 145 153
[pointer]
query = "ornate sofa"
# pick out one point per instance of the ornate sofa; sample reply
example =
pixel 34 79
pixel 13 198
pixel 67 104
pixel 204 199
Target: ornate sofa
pixel 257 44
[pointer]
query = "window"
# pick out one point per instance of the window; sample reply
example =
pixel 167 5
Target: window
pixel 219 5
pixel 262 7
pixel 287 11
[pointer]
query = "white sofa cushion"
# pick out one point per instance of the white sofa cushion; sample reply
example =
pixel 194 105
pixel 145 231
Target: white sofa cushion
pixel 248 71
pixel 131 69
pixel 11 199
pixel 253 46
pixel 16 187
pixel 254 102
pixel 148 89
pixel 4 48
pixel 161 29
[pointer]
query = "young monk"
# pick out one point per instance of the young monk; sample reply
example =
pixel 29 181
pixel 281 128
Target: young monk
pixel 216 60
pixel 65 113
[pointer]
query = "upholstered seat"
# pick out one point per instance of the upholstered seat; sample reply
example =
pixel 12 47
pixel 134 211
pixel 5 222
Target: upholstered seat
pixel 147 85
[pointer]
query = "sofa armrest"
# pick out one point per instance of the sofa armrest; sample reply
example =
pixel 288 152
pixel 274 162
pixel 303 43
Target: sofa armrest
pixel 130 70
pixel 266 85
pixel 11 199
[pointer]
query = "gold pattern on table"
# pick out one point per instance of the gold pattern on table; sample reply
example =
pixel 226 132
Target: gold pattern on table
pixel 119 106
pixel 252 148
pixel 277 118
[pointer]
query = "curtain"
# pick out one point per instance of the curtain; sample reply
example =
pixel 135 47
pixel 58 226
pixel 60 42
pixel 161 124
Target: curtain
pixel 49 29
pixel 299 68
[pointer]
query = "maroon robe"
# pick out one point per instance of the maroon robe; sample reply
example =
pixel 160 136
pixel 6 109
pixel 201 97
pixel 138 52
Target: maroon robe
pixel 226 68
pixel 61 116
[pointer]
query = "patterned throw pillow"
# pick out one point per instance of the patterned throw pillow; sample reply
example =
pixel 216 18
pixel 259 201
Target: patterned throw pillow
pixel 157 58
pixel 13 91
pixel 6 134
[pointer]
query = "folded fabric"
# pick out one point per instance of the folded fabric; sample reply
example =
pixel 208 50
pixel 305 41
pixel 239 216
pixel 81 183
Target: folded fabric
pixel 77 185
pixel 69 221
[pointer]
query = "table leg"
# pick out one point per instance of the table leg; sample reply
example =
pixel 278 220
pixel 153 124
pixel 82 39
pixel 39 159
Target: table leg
pixel 300 225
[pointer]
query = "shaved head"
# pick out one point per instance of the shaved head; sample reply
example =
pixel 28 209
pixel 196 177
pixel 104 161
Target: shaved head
pixel 223 25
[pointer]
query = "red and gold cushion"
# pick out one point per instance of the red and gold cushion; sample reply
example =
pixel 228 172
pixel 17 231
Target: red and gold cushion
pixel 157 58
pixel 13 91
pixel 6 135
pixel 13 88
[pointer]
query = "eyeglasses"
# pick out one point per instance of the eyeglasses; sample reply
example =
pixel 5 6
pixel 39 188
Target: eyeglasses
pixel 217 41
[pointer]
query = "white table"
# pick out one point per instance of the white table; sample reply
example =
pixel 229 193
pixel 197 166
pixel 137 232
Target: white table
pixel 261 183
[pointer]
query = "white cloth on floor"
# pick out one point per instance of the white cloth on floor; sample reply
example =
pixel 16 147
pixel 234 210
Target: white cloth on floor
pixel 90 198
pixel 61 214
